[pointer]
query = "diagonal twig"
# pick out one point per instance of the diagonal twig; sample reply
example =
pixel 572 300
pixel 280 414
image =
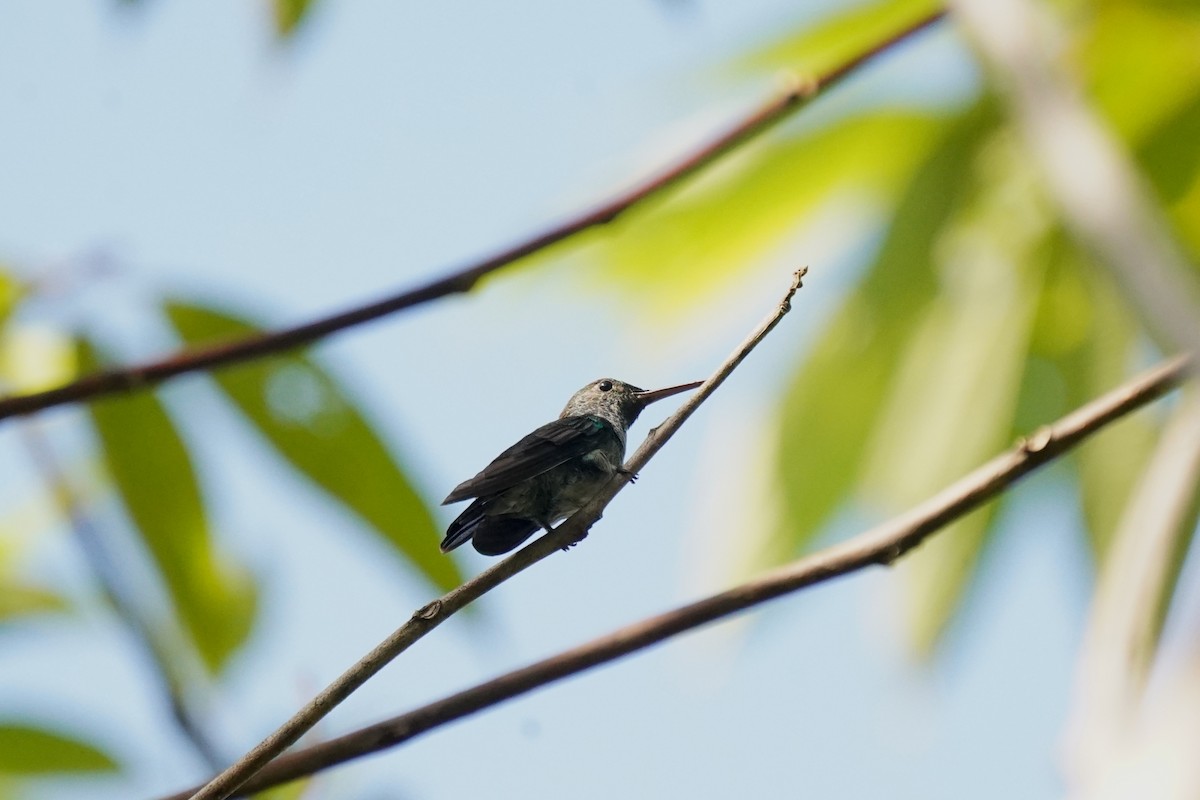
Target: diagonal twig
pixel 430 616
pixel 881 545
pixel 125 379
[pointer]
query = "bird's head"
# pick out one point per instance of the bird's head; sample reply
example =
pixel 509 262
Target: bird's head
pixel 617 401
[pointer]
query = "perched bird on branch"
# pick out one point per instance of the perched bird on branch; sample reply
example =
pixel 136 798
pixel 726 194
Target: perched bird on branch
pixel 553 471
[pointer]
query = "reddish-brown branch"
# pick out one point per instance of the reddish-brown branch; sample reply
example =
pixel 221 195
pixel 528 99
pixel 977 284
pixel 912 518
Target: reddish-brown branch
pixel 137 377
pixel 879 546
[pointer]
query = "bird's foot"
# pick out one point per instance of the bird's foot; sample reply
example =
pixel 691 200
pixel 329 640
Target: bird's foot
pixel 569 545
pixel 633 476
pixel 551 529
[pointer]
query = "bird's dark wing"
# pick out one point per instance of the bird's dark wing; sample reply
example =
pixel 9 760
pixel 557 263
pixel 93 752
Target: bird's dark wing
pixel 545 448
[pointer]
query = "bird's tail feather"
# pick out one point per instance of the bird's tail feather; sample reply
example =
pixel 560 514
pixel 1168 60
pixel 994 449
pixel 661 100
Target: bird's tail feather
pixel 492 535
pixel 499 535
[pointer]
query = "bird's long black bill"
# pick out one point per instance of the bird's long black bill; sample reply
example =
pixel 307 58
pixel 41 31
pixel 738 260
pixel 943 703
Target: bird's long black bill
pixel 658 394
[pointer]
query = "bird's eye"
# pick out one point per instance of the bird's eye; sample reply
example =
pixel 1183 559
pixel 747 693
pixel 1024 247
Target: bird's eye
pixel 605 386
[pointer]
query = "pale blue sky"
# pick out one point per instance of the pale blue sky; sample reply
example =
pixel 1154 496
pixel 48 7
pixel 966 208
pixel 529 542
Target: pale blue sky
pixel 395 140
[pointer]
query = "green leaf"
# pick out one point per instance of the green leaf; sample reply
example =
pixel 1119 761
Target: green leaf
pixel 833 403
pixel 26 751
pixel 818 48
pixel 917 379
pixel 292 790
pixel 1171 160
pixel 215 598
pixel 955 397
pixel 289 15
pixel 1141 63
pixel 683 248
pixel 12 292
pixel 1169 154
pixel 1180 536
pixel 1091 336
pixel 951 407
pixel 19 599
pixel 939 575
pixel 1142 68
pixel 313 424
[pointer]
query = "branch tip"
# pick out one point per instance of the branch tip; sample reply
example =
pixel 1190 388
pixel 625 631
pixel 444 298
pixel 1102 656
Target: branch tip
pixel 785 305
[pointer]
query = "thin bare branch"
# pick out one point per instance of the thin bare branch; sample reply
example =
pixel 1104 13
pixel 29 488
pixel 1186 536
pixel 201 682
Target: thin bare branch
pixel 430 616
pixel 882 545
pixel 126 379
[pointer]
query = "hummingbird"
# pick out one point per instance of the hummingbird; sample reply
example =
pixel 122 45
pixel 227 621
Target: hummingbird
pixel 547 476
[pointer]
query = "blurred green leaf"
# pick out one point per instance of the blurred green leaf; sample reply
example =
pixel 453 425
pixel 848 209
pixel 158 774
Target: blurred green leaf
pixel 1171 160
pixel 290 14
pixel 12 292
pixel 950 408
pixel 1091 336
pixel 955 395
pixel 293 790
pixel 1170 155
pixel 683 248
pixel 1185 213
pixel 1182 537
pixel 215 598
pixel 1140 62
pixel 313 424
pixel 918 377
pixel 833 403
pixel 939 575
pixel 19 599
pixel 26 751
pixel 1141 65
pixel 819 47
pixel 36 357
